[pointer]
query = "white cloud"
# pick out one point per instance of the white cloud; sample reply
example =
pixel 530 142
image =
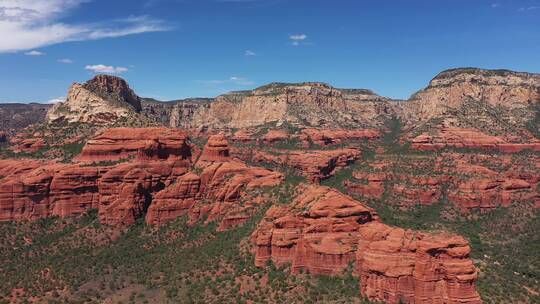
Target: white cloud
pixel 495 5
pixel 34 53
pixel 530 8
pixel 250 53
pixel 65 60
pixel 56 100
pixel 298 37
pixel 101 68
pixel 234 80
pixel 29 24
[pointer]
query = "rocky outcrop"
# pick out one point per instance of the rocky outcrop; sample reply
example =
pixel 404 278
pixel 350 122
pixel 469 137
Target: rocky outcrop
pixel 126 191
pixel 32 190
pixel 215 150
pixel 451 88
pixel 404 266
pixel 144 143
pixel 157 182
pixel 213 195
pixel 489 193
pixel 325 137
pixel 323 231
pixel 372 186
pixel 103 99
pixel 274 136
pixel 3 137
pixel 20 144
pixel 468 138
pixel 314 164
pixel 467 181
pixel 317 232
pixel 175 113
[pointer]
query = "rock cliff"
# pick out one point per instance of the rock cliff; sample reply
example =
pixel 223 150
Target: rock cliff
pixel 103 99
pixel 302 104
pixel 323 231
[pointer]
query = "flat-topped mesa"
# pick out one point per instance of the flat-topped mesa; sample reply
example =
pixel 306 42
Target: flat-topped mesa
pixel 452 88
pixel 323 231
pixel 144 143
pixel 300 104
pixel 103 99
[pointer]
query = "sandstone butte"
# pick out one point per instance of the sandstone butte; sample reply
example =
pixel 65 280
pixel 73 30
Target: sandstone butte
pixel 122 143
pixel 216 149
pixel 468 138
pixel 124 192
pixel 103 99
pixel 323 231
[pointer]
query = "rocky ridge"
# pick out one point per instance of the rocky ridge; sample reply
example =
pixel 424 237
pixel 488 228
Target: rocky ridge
pixel 103 99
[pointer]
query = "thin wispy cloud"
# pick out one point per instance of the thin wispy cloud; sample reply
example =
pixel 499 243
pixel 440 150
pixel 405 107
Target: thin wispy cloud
pixel 495 5
pixel 233 80
pixel 250 53
pixel 529 8
pixel 26 25
pixel 108 69
pixel 65 60
pixel 297 38
pixel 34 53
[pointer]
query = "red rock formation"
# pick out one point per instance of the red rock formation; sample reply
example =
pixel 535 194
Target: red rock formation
pixel 373 188
pixel 27 145
pixel 468 138
pixel 215 194
pixel 126 191
pixel 316 165
pixel 274 136
pixel 318 232
pixel 413 267
pixel 216 149
pixel 322 231
pixel 324 137
pixel 490 193
pixel 244 136
pixel 150 143
pixel 32 190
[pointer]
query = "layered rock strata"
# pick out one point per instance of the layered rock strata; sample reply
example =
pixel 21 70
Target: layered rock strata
pixel 323 231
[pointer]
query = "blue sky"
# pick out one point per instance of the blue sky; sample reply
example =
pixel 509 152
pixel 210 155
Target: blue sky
pixel 170 49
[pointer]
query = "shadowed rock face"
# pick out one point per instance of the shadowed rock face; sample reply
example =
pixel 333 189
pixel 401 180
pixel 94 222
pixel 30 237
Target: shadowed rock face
pixel 322 231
